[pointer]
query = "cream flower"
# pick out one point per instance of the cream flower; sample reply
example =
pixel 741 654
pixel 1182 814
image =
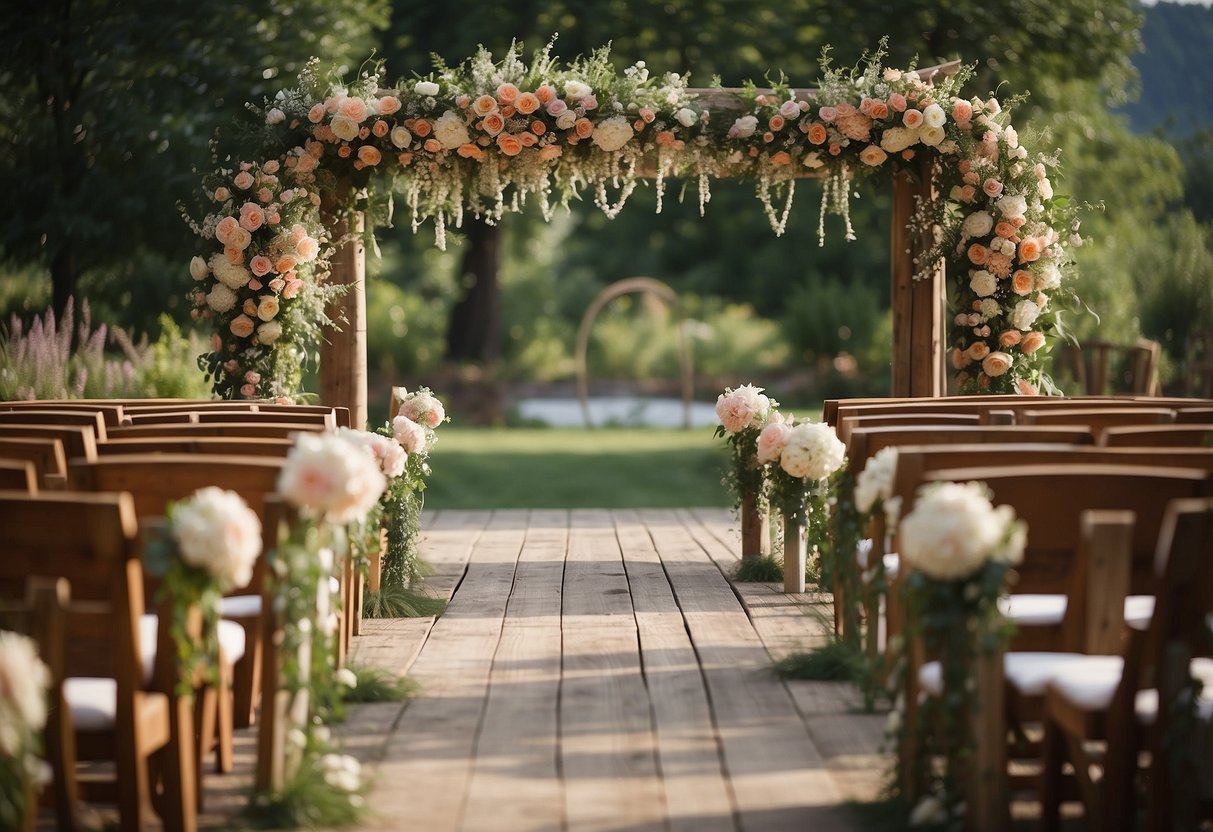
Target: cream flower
pixel 216 531
pixel 983 283
pixel 953 530
pixel 1024 315
pixel 875 481
pixel 269 332
pixel 401 137
pixel 344 128
pixel 613 133
pixel 198 268
pixel 24 680
pixel 220 298
pixel 897 139
pixel 232 275
pixel 426 88
pixel 812 451
pixel 450 131
pixel 267 309
pixel 327 476
pixel 977 224
pixel 409 434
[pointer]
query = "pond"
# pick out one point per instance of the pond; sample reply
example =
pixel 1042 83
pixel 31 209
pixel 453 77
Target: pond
pixel 621 411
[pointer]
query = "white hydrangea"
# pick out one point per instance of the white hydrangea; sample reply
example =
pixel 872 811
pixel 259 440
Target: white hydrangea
pixel 875 481
pixel 1048 276
pixel 269 332
pixel 812 451
pixel 232 275
pixel 953 530
pixel 977 224
pixel 216 531
pixel 220 298
pixel 1024 315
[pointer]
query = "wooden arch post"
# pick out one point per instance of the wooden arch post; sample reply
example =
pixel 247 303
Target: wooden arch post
pixel 918 305
pixel 343 370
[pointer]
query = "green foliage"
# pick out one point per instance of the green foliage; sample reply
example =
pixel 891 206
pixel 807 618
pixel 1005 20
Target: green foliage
pixel 377 685
pixel 1176 64
pixel 395 601
pixel 763 569
pixel 307 801
pixel 835 661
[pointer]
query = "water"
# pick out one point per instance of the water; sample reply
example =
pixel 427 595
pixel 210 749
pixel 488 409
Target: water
pixel 622 411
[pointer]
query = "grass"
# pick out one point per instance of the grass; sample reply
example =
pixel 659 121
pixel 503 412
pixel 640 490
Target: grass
pixel 576 468
pixel 762 569
pixel 832 662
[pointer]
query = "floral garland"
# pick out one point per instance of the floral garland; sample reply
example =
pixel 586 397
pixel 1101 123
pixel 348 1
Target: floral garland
pixel 486 136
pixel 800 463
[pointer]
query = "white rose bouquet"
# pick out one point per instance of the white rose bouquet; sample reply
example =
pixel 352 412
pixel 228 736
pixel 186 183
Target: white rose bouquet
pixel 24 681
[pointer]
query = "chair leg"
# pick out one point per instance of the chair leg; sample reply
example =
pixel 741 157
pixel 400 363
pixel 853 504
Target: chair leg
pixel 206 706
pixel 225 720
pixel 246 678
pixel 1052 760
pixel 61 754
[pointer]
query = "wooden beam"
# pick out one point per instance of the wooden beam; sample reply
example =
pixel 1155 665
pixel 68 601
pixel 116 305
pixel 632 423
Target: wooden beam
pixel 343 370
pixel 918 344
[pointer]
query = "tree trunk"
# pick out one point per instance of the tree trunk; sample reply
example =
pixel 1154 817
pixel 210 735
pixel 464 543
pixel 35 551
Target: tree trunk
pixel 476 318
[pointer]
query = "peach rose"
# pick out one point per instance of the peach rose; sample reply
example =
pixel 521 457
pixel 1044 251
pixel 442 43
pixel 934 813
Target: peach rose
pixel 493 124
pixel 432 146
pixel 647 116
pixel 510 144
pixel 1029 249
pixel 470 151
pixel 873 156
pixel 880 110
pixel 307 249
pixel 1022 282
pixel 960 359
pixel 978 254
pixel 912 118
pixel 962 110
pixel 224 229
pixel 267 309
pixel 776 123
pixel 380 128
pixel 369 155
pixel 422 127
pixel 222 194
pixel 1009 338
pixel 484 105
pixel 243 180
pixel 584 128
pixel 261 265
pixel 1032 341
pixel 781 158
pixel 1005 230
pixel 507 93
pixel 241 326
pixel 546 93
pixel 284 264
pixel 1025 387
pixel 996 364
pixel 527 103
pixel 527 138
pixel 978 350
pixel 817 133
pixel 352 108
pixel 538 127
pixel 665 137
pixel 316 114
pixel 249 307
pixel 388 105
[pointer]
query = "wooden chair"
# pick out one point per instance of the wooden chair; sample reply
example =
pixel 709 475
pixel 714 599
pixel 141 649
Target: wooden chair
pixel 79 441
pixel 326 419
pixel 85 418
pixel 1194 415
pixel 248 428
pixel 1052 499
pixel 1098 419
pixel 1158 436
pixel 103 708
pixel 924 417
pixel 154 480
pixel 46 455
pixel 1126 701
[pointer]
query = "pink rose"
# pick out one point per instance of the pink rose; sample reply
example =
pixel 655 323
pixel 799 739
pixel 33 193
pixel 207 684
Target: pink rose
pixel 252 377
pixel 1031 342
pixel 409 434
pixel 316 114
pixel 992 187
pixel 556 106
pixel 251 216
pixel 735 412
pixel 261 265
pixel 898 102
pixel 388 105
pixel 243 180
pixel 248 391
pixel 222 194
pixel 771 442
pixel 225 228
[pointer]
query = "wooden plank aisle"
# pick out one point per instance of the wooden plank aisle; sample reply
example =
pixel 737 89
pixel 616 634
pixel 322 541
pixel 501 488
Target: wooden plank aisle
pixel 427 766
pixel 608 754
pixel 516 781
pixel 778 776
pixel 698 795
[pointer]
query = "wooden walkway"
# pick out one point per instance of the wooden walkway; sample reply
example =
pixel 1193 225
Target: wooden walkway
pixel 595 670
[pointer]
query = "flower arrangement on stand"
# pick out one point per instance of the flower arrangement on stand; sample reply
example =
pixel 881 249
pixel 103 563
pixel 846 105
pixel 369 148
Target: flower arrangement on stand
pixel 333 482
pixel 486 136
pixel 24 681
pixel 958 550
pixel 801 461
pixel 743 413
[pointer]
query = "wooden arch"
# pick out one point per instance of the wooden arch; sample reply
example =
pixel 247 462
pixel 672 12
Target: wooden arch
pixel 918 305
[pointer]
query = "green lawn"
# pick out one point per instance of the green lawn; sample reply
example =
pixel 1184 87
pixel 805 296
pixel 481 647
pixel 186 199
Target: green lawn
pixel 576 468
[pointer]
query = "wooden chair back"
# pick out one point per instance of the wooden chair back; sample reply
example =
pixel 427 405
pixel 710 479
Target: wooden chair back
pixel 163 417
pixel 830 408
pixel 91 541
pixel 866 442
pixel 1194 415
pixel 248 428
pixel 46 454
pixel 222 445
pixel 944 419
pixel 79 441
pixel 1098 419
pixel 83 418
pixel 326 419
pixel 110 411
pixel 1158 436
pixel 18 475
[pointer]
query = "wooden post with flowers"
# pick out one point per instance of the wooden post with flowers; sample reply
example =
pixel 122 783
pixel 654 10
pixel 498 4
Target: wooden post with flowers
pixel 917 305
pixel 343 362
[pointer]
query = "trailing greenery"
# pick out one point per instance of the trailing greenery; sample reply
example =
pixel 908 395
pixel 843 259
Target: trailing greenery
pixel 378 685
pixel 313 799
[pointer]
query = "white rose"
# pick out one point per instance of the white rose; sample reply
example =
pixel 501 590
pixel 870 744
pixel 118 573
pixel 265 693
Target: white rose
pixel 983 283
pixel 1048 277
pixel 931 135
pixel 426 88
pixel 934 116
pixel 216 531
pixel 1024 315
pixel 1044 189
pixel 450 130
pixel 1012 206
pixel 275 116
pixel 812 451
pixel 198 268
pixel 875 481
pixel 344 128
pixel 269 332
pixel 953 530
pixel 744 127
pixel 613 133
pixel 220 298
pixel 897 139
pixel 990 308
pixel 401 137
pixel 267 309
pixel 575 90
pixel 686 117
pixel 409 434
pixel 232 275
pixel 24 679
pixel 566 120
pixel 977 224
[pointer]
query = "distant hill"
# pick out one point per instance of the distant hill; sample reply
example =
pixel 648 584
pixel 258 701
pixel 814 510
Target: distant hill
pixel 1176 67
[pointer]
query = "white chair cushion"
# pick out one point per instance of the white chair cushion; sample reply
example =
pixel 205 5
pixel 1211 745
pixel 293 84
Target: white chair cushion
pixel 1090 685
pixel 240 606
pixel 1027 672
pixel 862 552
pixel 1031 610
pixel 231 639
pixel 892 564
pixel 92 702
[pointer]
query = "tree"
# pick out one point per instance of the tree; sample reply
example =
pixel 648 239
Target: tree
pixel 109 107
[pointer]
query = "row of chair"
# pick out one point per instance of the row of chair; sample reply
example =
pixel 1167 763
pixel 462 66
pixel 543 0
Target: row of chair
pixel 93 472
pixel 1089 567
